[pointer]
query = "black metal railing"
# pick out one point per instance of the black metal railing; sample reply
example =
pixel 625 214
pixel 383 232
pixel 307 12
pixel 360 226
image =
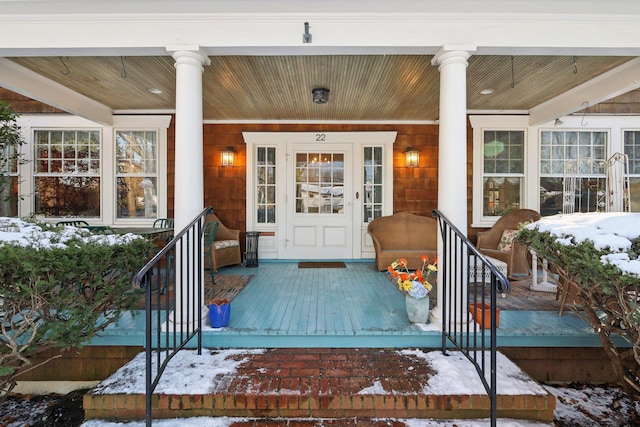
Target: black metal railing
pixel 173 283
pixel 470 281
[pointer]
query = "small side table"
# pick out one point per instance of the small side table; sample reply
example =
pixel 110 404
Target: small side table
pixel 251 256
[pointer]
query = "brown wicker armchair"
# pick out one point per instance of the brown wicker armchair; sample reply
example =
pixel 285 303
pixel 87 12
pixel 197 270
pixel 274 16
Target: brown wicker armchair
pixel 226 246
pixel 495 242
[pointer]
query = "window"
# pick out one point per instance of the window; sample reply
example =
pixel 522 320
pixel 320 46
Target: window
pixel 320 182
pixel 67 173
pixel 372 191
pixel 136 174
pixel 632 150
pixel 9 159
pixel 503 171
pixel 266 185
pixel 581 157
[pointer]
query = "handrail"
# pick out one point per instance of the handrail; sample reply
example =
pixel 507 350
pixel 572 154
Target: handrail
pixel 172 322
pixel 467 275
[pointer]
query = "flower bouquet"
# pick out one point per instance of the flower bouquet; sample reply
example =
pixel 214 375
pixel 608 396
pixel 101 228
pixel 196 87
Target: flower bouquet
pixel 415 283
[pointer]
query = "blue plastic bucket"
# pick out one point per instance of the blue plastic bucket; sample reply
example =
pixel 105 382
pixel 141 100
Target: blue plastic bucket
pixel 219 312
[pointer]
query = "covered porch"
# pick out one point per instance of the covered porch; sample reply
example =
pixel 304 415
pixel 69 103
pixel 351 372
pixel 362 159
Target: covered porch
pixel 284 306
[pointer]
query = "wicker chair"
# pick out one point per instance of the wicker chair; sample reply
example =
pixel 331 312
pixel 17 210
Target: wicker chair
pixel 496 243
pixel 226 245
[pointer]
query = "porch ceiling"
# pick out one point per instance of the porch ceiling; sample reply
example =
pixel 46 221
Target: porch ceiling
pixel 362 87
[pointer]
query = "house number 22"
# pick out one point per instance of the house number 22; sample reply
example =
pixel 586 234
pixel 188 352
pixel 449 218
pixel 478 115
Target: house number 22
pixel 321 137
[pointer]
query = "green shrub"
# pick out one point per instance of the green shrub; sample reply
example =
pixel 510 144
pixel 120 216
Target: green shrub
pixel 61 295
pixel 608 298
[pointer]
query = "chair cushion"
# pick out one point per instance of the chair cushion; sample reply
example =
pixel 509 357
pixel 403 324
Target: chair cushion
pixel 221 244
pixel 506 241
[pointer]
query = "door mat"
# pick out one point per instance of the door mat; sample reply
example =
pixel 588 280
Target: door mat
pixel 339 264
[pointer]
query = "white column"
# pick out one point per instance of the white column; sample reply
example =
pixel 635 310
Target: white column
pixel 452 147
pixel 189 174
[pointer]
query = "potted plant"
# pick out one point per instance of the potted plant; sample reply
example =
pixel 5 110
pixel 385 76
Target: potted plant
pixel 416 286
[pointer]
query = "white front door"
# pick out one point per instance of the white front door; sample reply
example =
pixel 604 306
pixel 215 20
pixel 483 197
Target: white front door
pixel 320 201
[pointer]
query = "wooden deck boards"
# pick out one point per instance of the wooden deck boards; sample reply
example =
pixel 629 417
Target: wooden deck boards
pixel 357 306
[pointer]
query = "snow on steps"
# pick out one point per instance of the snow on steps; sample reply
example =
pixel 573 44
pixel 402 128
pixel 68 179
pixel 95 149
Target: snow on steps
pixel 320 383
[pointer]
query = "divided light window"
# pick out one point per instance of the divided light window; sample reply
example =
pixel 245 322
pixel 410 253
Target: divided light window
pixel 503 171
pixel 372 191
pixel 266 185
pixel 136 174
pixel 67 173
pixel 632 150
pixel 579 154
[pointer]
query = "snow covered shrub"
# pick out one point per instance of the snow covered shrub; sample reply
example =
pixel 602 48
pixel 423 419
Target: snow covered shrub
pixel 597 255
pixel 58 288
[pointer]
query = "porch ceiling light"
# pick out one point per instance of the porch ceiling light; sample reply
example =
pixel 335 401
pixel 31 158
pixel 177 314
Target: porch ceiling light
pixel 320 95
pixel 412 158
pixel 227 157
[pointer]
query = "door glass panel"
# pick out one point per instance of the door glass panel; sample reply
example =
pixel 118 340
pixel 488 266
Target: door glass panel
pixel 319 182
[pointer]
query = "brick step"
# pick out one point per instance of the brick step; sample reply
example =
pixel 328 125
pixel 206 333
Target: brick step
pixel 328 384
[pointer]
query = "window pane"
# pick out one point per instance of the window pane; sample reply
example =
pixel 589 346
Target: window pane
pixel 9 195
pixel 501 195
pixel 69 196
pixel 634 186
pixel 137 197
pixel 319 182
pixel 136 174
pixel 580 154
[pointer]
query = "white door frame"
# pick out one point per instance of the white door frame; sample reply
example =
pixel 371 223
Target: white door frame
pixel 273 236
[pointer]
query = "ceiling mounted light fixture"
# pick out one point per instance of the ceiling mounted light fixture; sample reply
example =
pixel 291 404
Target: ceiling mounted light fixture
pixel 558 122
pixel 320 95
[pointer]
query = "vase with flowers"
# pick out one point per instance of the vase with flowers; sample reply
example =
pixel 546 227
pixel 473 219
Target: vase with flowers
pixel 416 285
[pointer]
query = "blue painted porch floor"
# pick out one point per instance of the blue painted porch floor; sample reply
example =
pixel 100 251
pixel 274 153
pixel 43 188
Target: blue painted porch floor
pixel 357 306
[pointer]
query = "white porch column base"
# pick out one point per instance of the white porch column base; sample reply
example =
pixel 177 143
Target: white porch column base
pixel 189 325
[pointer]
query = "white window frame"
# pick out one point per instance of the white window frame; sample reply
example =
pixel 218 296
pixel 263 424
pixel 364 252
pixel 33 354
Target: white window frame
pixel 160 123
pixel 481 124
pixel 613 125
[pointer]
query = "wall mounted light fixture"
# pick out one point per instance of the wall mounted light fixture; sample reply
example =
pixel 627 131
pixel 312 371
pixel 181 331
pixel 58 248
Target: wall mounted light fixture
pixel 227 157
pixel 412 158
